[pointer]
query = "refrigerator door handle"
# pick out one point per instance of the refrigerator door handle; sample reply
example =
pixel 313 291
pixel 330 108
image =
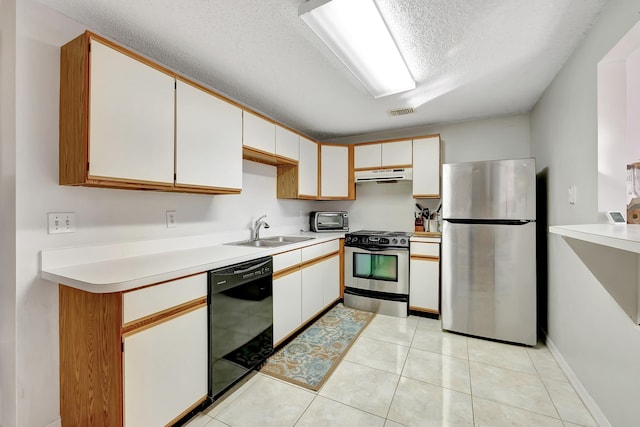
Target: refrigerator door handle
pixel 490 221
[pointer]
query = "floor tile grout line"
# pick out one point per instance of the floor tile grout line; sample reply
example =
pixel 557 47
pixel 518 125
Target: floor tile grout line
pixel 354 407
pixel 316 394
pixel 473 408
pixel 520 408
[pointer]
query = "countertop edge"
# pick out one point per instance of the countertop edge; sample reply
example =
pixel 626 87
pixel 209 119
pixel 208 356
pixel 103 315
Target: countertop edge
pixel 625 237
pixel 76 276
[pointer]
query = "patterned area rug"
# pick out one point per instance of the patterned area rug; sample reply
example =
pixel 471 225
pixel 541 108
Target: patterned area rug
pixel 310 358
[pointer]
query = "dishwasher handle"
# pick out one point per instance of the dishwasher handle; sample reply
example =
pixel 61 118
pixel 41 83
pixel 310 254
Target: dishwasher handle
pixel 235 275
pixel 253 267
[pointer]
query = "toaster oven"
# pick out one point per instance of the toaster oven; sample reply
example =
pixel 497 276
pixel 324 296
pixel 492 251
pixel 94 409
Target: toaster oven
pixel 328 221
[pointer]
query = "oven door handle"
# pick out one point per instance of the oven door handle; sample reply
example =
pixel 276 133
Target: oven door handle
pixel 378 249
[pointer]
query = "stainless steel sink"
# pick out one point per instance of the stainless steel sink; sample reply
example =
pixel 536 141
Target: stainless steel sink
pixel 258 243
pixel 286 239
pixel 271 241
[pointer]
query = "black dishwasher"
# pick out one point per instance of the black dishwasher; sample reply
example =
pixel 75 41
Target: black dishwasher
pixel 240 322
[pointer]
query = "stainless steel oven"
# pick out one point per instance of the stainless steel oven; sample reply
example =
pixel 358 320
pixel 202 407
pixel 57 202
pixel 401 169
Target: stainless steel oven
pixel 377 272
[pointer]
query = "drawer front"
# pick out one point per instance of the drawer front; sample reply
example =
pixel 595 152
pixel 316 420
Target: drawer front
pixel 153 299
pixel 319 250
pixel 331 247
pixel 285 260
pixel 427 249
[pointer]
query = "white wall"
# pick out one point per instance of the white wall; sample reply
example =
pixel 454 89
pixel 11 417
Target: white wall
pixel 598 341
pixel 103 216
pixel 7 214
pixel 392 207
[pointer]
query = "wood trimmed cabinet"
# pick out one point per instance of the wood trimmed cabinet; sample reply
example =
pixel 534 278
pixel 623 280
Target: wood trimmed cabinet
pixel 336 172
pixel 382 155
pixel 300 181
pixel 305 282
pixel 422 154
pixel 119 351
pixel 427 167
pixel 118 123
pixel 424 275
pixel 208 140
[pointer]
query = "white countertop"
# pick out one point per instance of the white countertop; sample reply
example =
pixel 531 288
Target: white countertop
pixel 116 274
pixel 623 236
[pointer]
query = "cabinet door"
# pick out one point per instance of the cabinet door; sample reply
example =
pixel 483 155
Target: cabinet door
pixel 131 116
pixel 331 280
pixel 424 284
pixel 165 369
pixel 308 168
pixel 286 143
pixel 396 153
pixel 312 290
pixel 426 167
pixel 287 296
pixel 258 133
pixel 208 139
pixel 334 171
pixel 367 156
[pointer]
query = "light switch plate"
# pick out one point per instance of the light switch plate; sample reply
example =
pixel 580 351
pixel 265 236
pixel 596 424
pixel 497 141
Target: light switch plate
pixel 61 222
pixel 572 195
pixel 171 219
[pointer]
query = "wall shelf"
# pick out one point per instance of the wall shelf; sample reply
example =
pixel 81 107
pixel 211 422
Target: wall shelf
pixel 621 283
pixel 625 237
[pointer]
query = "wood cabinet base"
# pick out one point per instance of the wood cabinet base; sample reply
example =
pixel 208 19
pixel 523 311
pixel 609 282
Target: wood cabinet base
pixel 90 358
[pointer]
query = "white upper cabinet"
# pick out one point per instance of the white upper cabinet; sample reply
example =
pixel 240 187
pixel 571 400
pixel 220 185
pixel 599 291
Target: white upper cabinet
pixel 397 153
pixel 258 133
pixel 371 156
pixel 426 167
pixel 131 116
pixel 308 168
pixel 367 156
pixel 334 171
pixel 208 139
pixel 287 144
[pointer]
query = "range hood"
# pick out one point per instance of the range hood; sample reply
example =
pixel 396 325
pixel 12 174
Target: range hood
pixel 384 175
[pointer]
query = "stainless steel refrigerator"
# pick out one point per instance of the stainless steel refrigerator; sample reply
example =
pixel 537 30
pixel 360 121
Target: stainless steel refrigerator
pixel 489 249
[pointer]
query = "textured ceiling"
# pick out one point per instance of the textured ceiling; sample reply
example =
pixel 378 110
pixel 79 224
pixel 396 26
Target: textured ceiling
pixel 470 59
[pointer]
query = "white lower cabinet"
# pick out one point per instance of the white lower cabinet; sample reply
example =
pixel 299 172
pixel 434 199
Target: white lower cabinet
pixel 331 280
pixel 312 290
pixel 301 293
pixel 287 305
pixel 424 277
pixel 165 369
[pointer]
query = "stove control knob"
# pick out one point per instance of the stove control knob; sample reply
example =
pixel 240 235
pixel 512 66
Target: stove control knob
pixel 403 241
pixel 394 241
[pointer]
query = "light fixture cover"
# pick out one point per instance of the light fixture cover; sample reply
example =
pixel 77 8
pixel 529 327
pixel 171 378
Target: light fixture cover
pixel 356 33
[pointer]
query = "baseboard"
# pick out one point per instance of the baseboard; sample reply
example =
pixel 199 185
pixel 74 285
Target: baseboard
pixel 588 401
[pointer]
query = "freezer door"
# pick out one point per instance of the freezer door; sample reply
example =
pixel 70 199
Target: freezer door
pixel 489 281
pixel 498 189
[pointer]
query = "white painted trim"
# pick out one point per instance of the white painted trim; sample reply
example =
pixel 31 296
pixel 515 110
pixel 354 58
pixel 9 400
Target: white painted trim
pixel 588 401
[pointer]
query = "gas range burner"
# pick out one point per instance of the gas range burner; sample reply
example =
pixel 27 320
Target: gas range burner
pixel 378 239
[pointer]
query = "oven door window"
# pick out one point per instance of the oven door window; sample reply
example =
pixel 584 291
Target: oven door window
pixel 375 266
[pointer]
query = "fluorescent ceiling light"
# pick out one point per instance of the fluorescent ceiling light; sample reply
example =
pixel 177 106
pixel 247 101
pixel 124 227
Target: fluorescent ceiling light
pixel 356 33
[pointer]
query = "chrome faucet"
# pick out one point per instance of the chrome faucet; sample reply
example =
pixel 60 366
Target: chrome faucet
pixel 255 231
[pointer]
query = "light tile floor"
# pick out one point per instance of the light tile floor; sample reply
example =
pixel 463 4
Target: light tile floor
pixel 407 372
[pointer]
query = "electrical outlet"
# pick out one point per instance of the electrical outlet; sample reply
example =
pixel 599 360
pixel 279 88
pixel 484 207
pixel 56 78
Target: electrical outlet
pixel 171 219
pixel 61 222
